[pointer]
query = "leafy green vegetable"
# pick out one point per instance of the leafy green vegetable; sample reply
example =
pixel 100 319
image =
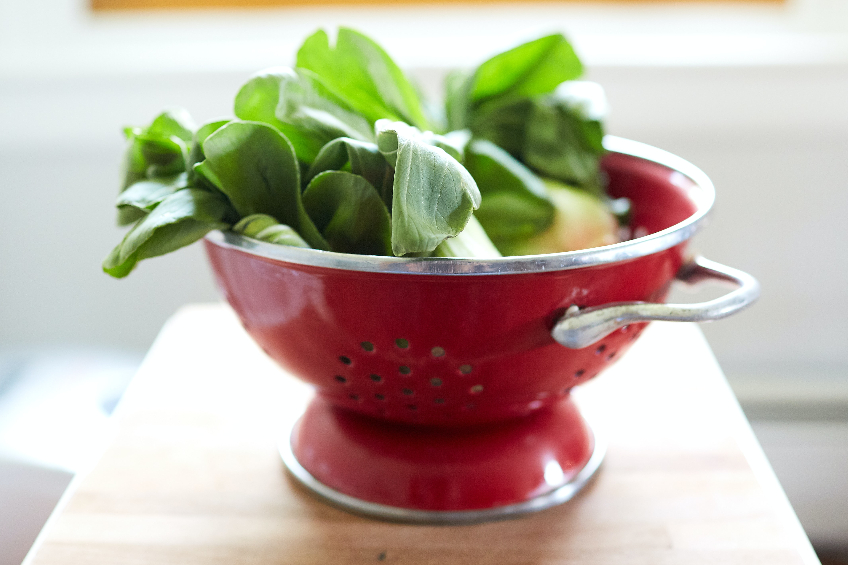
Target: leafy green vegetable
pixel 265 228
pixel 433 195
pixel 535 67
pixel 341 153
pixel 175 122
pixel 504 124
pixel 255 166
pixel 527 101
pixel 564 135
pixel 196 152
pixel 252 225
pixel 143 196
pixel 297 103
pixel 359 72
pixel 156 152
pixel 515 202
pixel 530 69
pixel 350 213
pixel 258 100
pixel 180 219
pixel 361 158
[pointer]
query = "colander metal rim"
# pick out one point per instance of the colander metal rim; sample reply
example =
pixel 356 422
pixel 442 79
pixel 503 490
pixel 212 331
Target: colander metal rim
pixel 624 251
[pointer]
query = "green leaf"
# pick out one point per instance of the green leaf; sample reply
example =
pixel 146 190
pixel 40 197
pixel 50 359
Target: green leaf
pixel 515 202
pixel 134 167
pixel 533 68
pixel 159 149
pixel 457 99
pixel 350 213
pixel 205 176
pixel 564 136
pixel 196 153
pixel 504 123
pixel 281 234
pixel 174 122
pixel 265 228
pixel 494 99
pixel 179 220
pixel 156 151
pixel 258 100
pixel 433 195
pixel 143 196
pixel 362 158
pixel 358 71
pixel 308 103
pixel 255 166
pixel 164 156
pixel 253 224
pixel 301 107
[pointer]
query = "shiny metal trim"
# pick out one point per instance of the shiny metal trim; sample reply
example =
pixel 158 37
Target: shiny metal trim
pixel 555 497
pixel 653 243
pixel 581 328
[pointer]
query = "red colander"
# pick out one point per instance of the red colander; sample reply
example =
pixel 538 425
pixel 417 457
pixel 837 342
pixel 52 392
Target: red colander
pixel 442 385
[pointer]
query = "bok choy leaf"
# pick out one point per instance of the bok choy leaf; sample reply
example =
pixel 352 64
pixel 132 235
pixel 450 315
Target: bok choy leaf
pixel 265 228
pixel 433 194
pixel 350 213
pixel 179 220
pixel 358 71
pixel 341 153
pixel 255 166
pixel 296 102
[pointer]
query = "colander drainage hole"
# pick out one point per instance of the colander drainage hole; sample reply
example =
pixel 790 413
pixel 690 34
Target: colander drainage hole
pixel 465 369
pixel 437 352
pixel 404 370
pixel 345 359
pixel 407 391
pixel 436 382
pixel 375 378
pixel 600 350
pixel 610 356
pixel 476 389
pixel 341 379
pixel 402 343
pixel 380 396
pixel 438 401
pixel 579 373
pixel 412 407
pixel 367 346
pixel 353 397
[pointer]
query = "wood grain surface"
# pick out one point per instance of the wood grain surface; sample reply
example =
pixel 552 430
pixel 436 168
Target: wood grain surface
pixel 193 476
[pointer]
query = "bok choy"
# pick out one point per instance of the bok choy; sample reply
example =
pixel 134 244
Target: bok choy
pixel 340 153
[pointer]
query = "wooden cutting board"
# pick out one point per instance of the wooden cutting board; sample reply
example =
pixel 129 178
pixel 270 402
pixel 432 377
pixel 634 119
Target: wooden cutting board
pixel 193 475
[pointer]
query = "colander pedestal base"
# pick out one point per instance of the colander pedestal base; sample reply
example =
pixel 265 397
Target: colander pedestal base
pixel 442 475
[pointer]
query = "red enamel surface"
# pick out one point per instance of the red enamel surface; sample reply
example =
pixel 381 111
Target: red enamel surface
pixel 432 468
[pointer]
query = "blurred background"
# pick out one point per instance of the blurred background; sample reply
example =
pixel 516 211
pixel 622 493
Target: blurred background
pixel 756 94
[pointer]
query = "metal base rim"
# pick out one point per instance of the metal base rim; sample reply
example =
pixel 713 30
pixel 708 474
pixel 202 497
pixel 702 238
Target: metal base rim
pixel 355 505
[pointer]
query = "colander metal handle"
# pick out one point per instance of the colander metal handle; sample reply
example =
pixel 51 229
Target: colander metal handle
pixel 580 328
